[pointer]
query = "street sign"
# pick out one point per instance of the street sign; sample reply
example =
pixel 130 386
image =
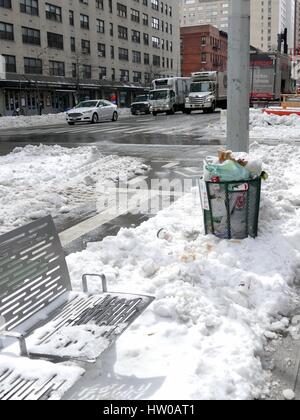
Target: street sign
pixel 2 68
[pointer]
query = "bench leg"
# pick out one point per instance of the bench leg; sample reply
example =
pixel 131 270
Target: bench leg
pixel 21 339
pixel 85 282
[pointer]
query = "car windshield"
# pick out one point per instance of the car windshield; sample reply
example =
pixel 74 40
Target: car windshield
pixel 87 104
pixel 141 98
pixel 159 94
pixel 201 87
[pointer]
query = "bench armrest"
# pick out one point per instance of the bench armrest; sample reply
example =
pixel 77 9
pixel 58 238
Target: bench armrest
pixel 85 282
pixel 17 336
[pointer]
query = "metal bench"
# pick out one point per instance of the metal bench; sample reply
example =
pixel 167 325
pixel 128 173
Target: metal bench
pixel 24 379
pixel 39 309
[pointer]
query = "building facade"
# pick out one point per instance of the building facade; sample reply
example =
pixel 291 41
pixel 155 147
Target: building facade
pixel 58 52
pixel 203 48
pixel 268 19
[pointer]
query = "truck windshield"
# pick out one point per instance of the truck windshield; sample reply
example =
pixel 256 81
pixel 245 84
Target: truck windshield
pixel 159 94
pixel 141 98
pixel 201 87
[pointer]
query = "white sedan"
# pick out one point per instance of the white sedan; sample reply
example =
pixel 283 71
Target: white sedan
pixel 93 112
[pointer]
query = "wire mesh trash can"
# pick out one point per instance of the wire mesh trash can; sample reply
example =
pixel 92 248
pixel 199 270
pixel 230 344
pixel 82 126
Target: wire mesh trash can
pixel 231 209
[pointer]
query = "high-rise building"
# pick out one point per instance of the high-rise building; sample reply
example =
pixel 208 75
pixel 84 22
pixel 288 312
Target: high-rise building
pixel 57 51
pixel 268 19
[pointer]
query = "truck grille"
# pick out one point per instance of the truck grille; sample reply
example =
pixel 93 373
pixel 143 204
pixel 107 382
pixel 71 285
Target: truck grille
pixel 197 101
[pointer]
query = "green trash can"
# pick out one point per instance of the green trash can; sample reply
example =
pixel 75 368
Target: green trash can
pixel 231 209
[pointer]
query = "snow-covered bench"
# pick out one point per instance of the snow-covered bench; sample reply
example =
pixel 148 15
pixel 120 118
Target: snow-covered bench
pixel 39 309
pixel 24 379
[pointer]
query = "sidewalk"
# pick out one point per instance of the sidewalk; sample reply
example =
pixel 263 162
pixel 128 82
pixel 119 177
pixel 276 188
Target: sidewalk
pixel 221 306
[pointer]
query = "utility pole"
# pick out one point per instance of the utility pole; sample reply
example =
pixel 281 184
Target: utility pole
pixel 238 76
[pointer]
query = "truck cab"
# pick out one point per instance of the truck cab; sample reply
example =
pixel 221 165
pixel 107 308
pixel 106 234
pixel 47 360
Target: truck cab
pixel 207 91
pixel 168 95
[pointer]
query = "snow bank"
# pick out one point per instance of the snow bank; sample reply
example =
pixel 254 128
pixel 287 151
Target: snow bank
pixel 42 120
pixel 215 299
pixel 40 180
pixel 32 121
pixel 264 126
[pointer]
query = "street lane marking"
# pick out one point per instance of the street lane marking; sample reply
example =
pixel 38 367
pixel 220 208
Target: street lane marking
pixel 171 165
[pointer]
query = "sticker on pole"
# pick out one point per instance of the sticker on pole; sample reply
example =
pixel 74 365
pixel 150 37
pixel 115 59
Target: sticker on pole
pixel 2 68
pixel 204 195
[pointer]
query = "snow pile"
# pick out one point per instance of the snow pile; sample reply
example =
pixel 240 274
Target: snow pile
pixel 39 180
pixel 33 121
pixel 263 125
pixel 215 299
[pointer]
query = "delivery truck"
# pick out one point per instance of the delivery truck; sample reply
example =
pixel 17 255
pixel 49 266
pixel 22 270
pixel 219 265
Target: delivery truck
pixel 208 90
pixel 168 95
pixel 271 76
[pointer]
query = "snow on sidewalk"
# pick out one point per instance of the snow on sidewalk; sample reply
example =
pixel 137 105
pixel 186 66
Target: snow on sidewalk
pixel 215 300
pixel 263 126
pixel 39 180
pixel 32 121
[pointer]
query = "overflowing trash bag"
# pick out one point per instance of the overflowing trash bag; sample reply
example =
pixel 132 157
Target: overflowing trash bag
pixel 230 195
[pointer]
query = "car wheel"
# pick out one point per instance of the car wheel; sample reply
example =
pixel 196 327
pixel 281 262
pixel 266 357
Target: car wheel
pixel 115 117
pixel 95 119
pixel 70 123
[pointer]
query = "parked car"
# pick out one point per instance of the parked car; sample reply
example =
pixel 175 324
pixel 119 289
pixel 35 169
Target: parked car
pixel 93 112
pixel 141 105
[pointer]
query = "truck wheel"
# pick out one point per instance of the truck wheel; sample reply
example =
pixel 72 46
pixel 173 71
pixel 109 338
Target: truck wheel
pixel 212 109
pixel 171 112
pixel 154 114
pixel 188 111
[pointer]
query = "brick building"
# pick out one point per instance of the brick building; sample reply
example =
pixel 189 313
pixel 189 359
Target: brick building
pixel 203 48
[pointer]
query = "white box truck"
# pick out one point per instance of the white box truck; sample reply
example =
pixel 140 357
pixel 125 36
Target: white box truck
pixel 208 90
pixel 168 95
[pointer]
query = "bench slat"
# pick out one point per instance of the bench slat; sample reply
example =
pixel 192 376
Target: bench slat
pixel 31 262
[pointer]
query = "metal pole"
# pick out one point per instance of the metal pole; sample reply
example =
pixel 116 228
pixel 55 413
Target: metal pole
pixel 238 76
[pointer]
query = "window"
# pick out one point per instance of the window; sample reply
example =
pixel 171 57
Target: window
pixel 122 10
pixel 100 26
pixel 30 7
pixel 101 50
pixel 10 63
pixel 6 31
pixel 84 22
pixel 85 46
pixel 123 54
pixel 33 65
pixel 122 32
pixel 31 36
pixel 71 17
pixel 137 77
pixel 6 4
pixel 55 41
pixel 56 68
pixel 102 73
pixel 53 12
pixel 124 75
pixel 136 57
pixel 87 71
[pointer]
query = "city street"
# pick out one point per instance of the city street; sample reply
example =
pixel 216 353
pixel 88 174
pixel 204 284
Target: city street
pixel 172 146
